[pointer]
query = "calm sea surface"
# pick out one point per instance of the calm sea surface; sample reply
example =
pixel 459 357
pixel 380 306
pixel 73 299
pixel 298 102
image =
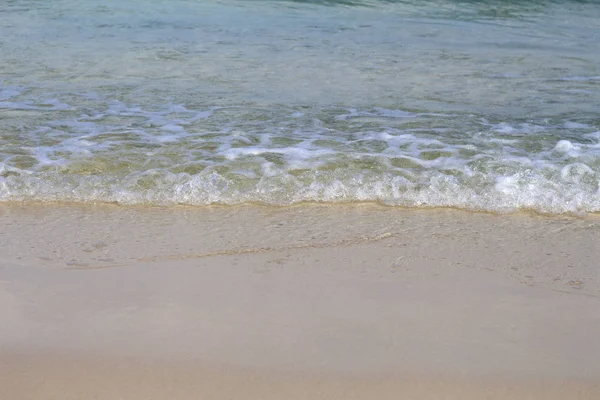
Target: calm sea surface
pixel 483 105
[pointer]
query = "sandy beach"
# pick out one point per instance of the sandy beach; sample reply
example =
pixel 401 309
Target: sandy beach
pixel 304 302
pixel 299 200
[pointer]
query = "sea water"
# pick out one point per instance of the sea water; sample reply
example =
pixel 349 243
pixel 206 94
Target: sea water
pixel 484 105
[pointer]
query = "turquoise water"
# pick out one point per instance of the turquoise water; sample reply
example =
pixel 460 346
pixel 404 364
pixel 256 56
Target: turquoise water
pixel 482 105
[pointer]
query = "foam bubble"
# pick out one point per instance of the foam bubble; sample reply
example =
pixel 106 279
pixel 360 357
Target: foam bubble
pixel 112 151
pixel 564 146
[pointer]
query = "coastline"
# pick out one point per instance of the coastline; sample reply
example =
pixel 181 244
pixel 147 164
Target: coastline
pixel 310 301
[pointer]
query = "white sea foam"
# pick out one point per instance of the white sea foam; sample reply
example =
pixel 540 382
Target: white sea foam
pixel 219 102
pixel 193 159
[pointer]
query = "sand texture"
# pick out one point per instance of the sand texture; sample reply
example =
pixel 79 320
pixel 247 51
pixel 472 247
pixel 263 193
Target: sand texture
pixel 306 302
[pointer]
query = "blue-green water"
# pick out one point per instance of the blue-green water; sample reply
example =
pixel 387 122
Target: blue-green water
pixel 485 105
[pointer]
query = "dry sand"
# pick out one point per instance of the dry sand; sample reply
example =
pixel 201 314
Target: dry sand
pixel 306 302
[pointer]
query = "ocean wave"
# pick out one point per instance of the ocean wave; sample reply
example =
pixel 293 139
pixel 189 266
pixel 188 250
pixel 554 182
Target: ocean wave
pixel 570 189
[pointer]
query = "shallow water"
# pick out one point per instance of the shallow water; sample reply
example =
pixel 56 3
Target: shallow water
pixel 483 105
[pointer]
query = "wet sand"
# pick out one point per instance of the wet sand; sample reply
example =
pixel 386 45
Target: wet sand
pixel 315 302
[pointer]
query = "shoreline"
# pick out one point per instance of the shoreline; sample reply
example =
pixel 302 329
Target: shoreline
pixel 303 302
pixel 355 204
